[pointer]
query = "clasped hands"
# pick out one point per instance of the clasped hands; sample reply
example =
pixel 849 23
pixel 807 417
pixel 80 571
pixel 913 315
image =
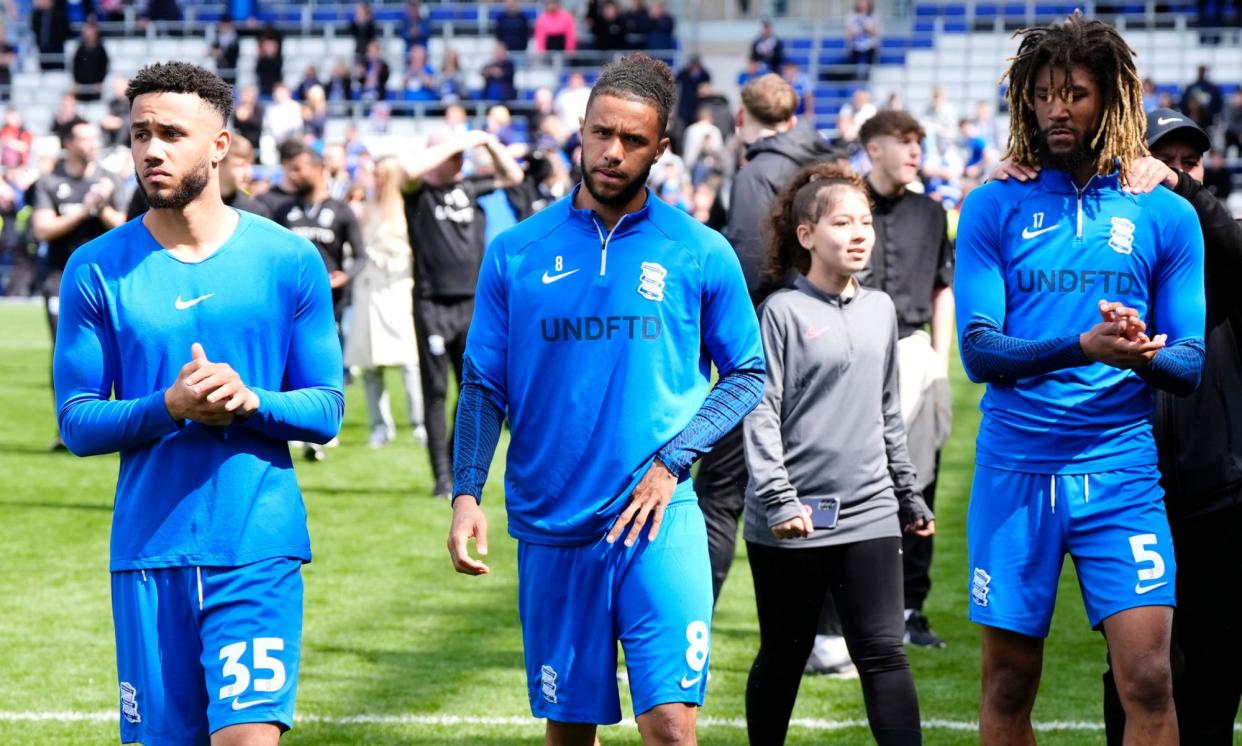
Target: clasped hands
pixel 208 393
pixel 1120 339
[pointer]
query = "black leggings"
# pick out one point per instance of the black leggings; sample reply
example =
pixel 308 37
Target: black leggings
pixel 865 579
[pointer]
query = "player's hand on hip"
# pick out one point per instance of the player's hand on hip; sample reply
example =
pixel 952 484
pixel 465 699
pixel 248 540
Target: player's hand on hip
pixel 798 527
pixel 1106 343
pixel 337 279
pixel 1147 173
pixel 647 502
pixel 469 522
pixel 1008 169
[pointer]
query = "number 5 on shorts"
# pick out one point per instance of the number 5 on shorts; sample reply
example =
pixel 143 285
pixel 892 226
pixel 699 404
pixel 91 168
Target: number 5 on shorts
pixel 236 670
pixel 1139 544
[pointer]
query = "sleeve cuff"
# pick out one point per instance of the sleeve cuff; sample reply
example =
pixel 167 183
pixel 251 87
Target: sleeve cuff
pixel 263 413
pixel 787 509
pixel 157 417
pixel 677 462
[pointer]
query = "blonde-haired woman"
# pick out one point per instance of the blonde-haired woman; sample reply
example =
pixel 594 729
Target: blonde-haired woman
pixel 382 332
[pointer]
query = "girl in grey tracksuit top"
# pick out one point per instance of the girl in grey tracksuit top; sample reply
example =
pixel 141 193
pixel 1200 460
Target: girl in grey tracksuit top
pixel 829 428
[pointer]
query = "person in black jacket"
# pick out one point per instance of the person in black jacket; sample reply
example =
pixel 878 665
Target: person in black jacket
pixel 609 30
pixel 1199 445
pixel 269 66
pixel 225 51
pixel 913 263
pixel 49 22
pixel 362 27
pixel 768 48
pixel 329 224
pixel 90 65
pixel 660 28
pixel 776 149
pixel 512 27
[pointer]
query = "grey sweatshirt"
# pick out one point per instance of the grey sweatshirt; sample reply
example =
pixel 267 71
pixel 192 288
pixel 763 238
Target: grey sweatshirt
pixel 829 423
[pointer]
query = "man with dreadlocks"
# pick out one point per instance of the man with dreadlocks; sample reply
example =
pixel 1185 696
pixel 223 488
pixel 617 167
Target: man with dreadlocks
pixel 1059 281
pixel 595 328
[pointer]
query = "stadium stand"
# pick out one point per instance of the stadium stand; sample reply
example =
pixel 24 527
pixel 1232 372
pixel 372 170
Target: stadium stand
pixel 957 46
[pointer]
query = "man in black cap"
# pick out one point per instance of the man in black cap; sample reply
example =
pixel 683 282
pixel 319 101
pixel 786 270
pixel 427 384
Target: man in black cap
pixel 1199 442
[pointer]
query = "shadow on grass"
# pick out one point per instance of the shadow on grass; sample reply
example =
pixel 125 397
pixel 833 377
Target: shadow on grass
pixel 103 507
pixel 31 449
pixel 386 492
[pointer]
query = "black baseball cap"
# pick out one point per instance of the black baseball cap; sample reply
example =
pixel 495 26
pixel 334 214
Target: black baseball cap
pixel 1161 122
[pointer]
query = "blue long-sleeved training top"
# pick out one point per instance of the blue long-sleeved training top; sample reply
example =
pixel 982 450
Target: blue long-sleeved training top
pixel 191 494
pixel 1033 262
pixel 598 346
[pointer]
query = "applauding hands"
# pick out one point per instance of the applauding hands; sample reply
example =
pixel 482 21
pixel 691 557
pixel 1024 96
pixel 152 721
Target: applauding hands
pixel 1120 339
pixel 208 393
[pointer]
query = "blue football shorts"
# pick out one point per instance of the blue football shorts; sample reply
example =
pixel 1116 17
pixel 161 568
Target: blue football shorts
pixel 1021 525
pixel 578 602
pixel 202 648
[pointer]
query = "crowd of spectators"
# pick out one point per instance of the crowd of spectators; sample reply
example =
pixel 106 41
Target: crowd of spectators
pixel 541 127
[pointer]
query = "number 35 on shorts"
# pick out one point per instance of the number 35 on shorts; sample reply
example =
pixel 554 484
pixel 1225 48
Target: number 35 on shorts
pixel 1150 563
pixel 251 666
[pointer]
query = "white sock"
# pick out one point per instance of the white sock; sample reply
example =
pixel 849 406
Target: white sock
pixel 831 647
pixel 909 612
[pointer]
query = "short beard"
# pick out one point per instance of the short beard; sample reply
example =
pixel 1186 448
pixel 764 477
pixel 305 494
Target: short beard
pixel 1077 157
pixel 186 192
pixel 622 197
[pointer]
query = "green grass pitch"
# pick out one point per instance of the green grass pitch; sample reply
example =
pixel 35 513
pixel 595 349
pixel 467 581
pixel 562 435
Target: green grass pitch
pixel 391 630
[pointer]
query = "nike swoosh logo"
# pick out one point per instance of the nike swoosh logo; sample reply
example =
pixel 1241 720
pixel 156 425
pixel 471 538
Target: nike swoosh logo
pixel 1028 233
pixel 813 333
pixel 687 683
pixel 1140 589
pixel 239 705
pixel 1163 121
pixel 549 279
pixel 184 304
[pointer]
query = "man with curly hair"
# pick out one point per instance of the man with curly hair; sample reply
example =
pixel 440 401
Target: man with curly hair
pixel 1063 283
pixel 596 325
pixel 196 340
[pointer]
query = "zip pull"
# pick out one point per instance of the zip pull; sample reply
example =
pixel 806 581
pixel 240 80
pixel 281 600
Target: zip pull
pixel 1078 233
pixel 603 256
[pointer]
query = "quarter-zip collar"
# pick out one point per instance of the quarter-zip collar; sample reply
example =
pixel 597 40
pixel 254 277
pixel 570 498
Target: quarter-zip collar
pixel 1062 182
pixel 831 299
pixel 630 221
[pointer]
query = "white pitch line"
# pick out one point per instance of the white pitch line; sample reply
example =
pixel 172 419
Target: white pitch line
pixel 425 720
pixel 814 724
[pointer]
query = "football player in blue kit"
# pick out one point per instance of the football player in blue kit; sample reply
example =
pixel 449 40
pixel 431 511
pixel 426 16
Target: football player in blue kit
pixel 596 326
pixel 1063 283
pixel 197 340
